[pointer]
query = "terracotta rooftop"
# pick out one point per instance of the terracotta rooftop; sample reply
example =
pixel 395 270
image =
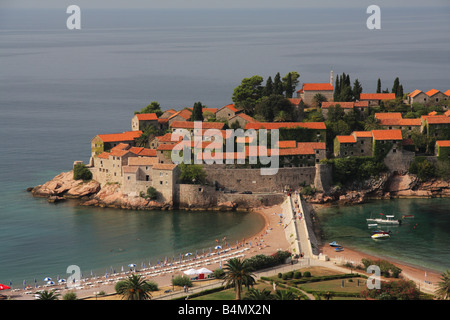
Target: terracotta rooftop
pixel 147 153
pixel 414 93
pixel 231 106
pixel 185 113
pixel 142 161
pixel 103 155
pixel 121 146
pixel 136 150
pixel 146 116
pixel 287 144
pixel 287 125
pixel 243 116
pixel 439 119
pixel 387 134
pixel 192 125
pixel 316 87
pixel 400 122
pixel 362 134
pixel 443 143
pixel 361 104
pixel 116 137
pixel 388 115
pixel 118 153
pixel 447 93
pixel 431 92
pixel 295 101
pixel 346 139
pixel 164 166
pixel 377 96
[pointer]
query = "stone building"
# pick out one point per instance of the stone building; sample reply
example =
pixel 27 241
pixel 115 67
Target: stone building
pixel 142 120
pixel 442 148
pixel 227 112
pixel 375 99
pixel 436 127
pixel 182 115
pixel 436 96
pixel 164 178
pixel 309 90
pixel 105 142
pixel 242 119
pixel 417 96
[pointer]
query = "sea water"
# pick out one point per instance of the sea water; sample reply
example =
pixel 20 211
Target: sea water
pixel 59 88
pixel 421 240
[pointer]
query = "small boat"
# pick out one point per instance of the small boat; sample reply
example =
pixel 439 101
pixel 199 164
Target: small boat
pixel 370 225
pixel 339 249
pixel 381 236
pixel 389 220
pixel 407 216
pixel 334 244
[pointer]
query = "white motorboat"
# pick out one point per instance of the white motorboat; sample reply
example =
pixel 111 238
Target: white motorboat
pixel 389 220
pixel 380 236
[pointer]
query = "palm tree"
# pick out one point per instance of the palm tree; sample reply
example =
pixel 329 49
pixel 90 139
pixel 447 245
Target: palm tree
pixel 285 295
pixel 134 288
pixel 255 294
pixel 48 295
pixel 238 273
pixel 443 290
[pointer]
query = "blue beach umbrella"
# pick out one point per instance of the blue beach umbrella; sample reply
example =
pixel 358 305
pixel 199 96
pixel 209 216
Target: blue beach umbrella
pixel 50 282
pixel 35 283
pixel 24 284
pixel 47 279
pixel 61 280
pixel 132 265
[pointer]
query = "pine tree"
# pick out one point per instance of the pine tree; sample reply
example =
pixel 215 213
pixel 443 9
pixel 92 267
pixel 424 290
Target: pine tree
pixel 379 86
pixel 399 93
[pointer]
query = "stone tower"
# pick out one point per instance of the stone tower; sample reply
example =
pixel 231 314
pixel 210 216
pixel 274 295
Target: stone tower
pixel 331 77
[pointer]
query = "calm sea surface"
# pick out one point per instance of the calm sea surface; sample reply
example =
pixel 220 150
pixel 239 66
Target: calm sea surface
pixel 59 88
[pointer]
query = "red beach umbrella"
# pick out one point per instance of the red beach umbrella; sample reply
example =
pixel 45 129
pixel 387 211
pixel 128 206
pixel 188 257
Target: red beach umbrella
pixel 4 287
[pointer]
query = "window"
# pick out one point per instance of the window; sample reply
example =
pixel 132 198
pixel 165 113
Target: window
pixel 147 178
pixel 394 150
pixel 128 177
pixel 362 141
pixel 160 182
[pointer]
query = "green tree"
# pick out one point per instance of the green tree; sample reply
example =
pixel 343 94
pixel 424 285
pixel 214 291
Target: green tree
pixel 256 294
pixel 148 133
pixel 285 295
pixel 248 94
pixel 197 112
pixel 337 89
pixel 268 89
pixel 335 113
pixel 70 296
pixel 277 84
pixel 134 288
pixel 237 274
pixel 192 174
pixel 80 171
pixel 379 86
pixel 395 86
pixel 269 107
pixel 153 107
pixel 443 290
pixel 318 99
pixel 357 89
pixel 290 82
pixel 48 295
pixel 152 193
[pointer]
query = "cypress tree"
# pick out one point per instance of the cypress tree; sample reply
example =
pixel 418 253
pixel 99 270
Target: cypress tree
pixel 379 86
pixel 277 84
pixel 395 87
pixel 357 90
pixel 268 89
pixel 399 93
pixel 336 89
pixel 197 112
pixel 289 87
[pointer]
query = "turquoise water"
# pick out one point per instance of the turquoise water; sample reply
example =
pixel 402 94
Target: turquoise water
pixel 423 240
pixel 39 239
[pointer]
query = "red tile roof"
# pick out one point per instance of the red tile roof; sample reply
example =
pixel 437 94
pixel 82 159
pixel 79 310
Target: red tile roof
pixel 316 87
pixel 121 146
pixel 116 137
pixel 440 119
pixel 192 124
pixel 118 153
pixel 443 143
pixel 295 101
pixel 432 92
pixel 136 150
pixel 243 116
pixel 142 161
pixel 164 166
pixel 146 116
pixel 185 113
pixel 103 155
pixel 212 110
pixel 346 139
pixel 165 147
pixel 400 122
pixel 231 107
pixel 387 134
pixel 447 113
pixel 147 153
pixel 414 93
pixel 362 134
pixel 288 125
pixel 377 96
pixel 287 144
pixel 447 93
pixel 388 115
pixel 361 104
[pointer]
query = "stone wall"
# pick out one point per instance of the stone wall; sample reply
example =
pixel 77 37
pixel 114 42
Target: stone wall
pixel 323 177
pixel 252 180
pixel 399 160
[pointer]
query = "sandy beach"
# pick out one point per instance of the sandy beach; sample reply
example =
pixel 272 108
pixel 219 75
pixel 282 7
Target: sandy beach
pixel 268 241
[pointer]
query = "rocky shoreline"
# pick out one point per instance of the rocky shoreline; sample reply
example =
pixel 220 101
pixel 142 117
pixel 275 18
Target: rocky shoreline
pixel 387 186
pixel 91 193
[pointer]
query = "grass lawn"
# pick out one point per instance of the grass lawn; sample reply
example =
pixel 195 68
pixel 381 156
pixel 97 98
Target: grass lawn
pixel 336 285
pixel 230 294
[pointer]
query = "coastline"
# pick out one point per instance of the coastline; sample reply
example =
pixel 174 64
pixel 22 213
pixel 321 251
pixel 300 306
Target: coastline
pixel 409 270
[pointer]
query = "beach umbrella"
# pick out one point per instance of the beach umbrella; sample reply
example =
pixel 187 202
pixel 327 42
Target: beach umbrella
pixel 50 283
pixel 35 283
pixel 188 254
pixel 4 287
pixel 47 279
pixel 61 280
pixel 132 265
pixel 218 247
pixel 24 284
